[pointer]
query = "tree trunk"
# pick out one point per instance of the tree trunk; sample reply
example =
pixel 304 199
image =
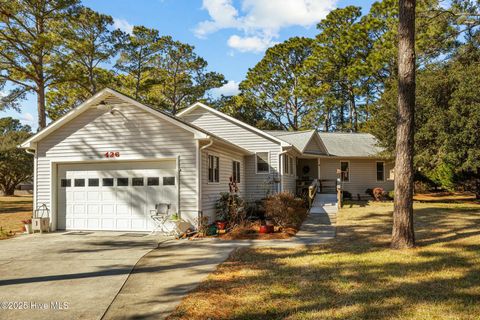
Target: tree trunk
pixel 403 235
pixel 10 191
pixel 42 119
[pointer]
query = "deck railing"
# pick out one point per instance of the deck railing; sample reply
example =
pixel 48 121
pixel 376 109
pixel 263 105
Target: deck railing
pixel 312 191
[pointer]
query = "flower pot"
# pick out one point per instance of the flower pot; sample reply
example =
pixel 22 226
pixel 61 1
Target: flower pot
pixel 221 225
pixel 28 228
pixel 266 229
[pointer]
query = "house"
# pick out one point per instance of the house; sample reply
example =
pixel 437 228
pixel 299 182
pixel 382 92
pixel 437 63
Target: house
pixel 105 164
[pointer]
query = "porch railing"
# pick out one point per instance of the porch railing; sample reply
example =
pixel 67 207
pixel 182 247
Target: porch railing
pixel 312 192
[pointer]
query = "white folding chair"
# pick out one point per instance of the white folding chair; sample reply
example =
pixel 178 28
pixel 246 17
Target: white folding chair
pixel 160 216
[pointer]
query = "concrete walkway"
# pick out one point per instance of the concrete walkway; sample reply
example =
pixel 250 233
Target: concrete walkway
pixel 165 275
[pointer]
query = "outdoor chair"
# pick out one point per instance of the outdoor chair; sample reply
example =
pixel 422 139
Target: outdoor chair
pixel 162 220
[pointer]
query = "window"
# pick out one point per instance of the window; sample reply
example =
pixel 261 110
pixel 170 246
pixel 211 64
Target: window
pixel 107 182
pixel 286 167
pixel 236 171
pixel 153 181
pixel 168 181
pixel 66 183
pixel 287 164
pixel 262 163
pixel 79 183
pixel 345 171
pixel 137 182
pixel 122 182
pixel 93 182
pixel 380 171
pixel 213 169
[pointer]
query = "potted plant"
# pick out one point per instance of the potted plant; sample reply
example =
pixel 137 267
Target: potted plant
pixel 174 217
pixel 28 226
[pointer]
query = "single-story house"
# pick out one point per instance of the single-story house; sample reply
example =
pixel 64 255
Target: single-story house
pixel 105 164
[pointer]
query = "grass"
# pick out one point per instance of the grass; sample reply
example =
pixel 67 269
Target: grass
pixel 445 197
pixel 12 211
pixel 357 275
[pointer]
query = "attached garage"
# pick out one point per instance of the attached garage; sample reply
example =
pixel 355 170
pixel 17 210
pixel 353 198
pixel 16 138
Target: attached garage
pixel 107 163
pixel 114 196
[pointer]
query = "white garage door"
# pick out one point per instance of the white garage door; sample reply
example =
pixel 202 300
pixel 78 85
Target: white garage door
pixel 114 196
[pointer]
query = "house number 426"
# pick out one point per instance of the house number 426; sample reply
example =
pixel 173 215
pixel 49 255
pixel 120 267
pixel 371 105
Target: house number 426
pixel 112 154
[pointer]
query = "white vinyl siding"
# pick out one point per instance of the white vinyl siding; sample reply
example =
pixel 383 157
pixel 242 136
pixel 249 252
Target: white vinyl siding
pixel 363 174
pixel 144 136
pixel 247 139
pixel 211 191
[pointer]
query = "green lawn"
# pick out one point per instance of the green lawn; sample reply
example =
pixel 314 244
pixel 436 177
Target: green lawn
pixel 355 276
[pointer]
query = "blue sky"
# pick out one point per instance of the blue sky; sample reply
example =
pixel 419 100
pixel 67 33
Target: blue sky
pixel 231 35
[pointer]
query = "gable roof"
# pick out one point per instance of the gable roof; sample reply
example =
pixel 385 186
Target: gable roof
pixel 350 144
pixel 299 139
pixel 265 134
pixel 199 133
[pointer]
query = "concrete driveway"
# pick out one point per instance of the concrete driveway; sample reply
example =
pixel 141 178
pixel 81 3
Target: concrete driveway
pixel 67 275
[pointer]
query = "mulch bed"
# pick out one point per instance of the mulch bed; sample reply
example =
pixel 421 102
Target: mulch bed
pixel 251 232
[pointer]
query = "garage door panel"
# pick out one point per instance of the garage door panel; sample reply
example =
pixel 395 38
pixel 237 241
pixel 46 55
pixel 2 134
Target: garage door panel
pixel 108 209
pixel 108 195
pixel 98 201
pixel 93 209
pixel 79 196
pixel 93 224
pixel 93 195
pixel 108 224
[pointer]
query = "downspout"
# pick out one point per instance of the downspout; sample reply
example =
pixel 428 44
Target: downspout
pixel 280 161
pixel 199 175
pixel 178 187
pixel 34 153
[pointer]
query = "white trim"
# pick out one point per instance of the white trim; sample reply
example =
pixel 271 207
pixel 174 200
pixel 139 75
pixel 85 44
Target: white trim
pixel 321 141
pixel 268 161
pixel 35 180
pixel 349 171
pixel 198 165
pixel 97 98
pixel 376 173
pixel 241 123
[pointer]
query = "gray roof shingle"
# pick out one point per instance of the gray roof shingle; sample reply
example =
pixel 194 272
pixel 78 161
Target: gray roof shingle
pixel 350 144
pixel 338 144
pixel 299 139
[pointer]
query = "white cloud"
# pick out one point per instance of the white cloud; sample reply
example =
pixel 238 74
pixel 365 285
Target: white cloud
pixel 123 25
pixel 260 20
pixel 250 44
pixel 28 118
pixel 228 89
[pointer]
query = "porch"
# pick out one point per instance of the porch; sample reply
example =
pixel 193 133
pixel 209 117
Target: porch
pixel 308 169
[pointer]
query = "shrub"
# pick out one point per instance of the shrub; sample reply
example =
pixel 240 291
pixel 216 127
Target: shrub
pixel 377 193
pixel 285 209
pixel 347 195
pixel 231 208
pixel 421 187
pixel 391 195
